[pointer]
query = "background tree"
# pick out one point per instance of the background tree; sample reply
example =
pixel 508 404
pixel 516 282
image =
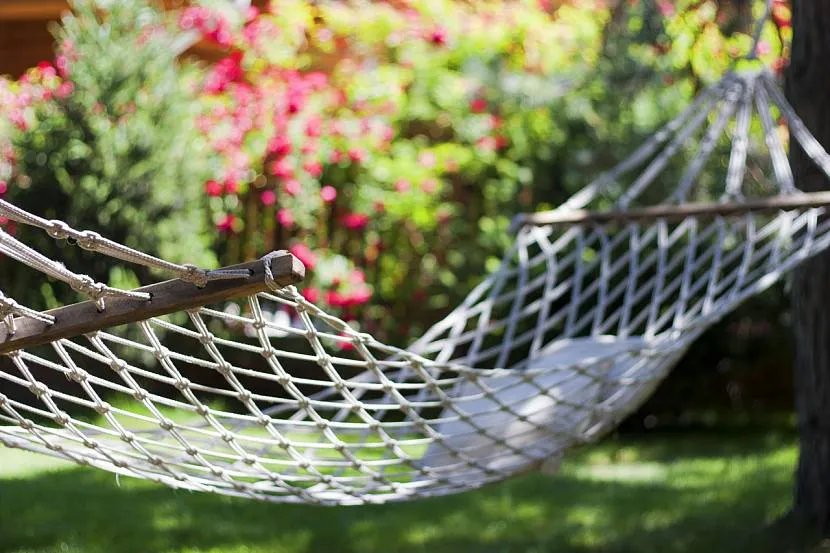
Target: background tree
pixel 808 89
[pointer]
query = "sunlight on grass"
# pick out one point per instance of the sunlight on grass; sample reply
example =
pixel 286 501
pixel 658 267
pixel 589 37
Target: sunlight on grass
pixel 662 494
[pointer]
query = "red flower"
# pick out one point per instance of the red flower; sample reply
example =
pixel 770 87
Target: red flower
pixel 305 255
pixel 231 185
pixel 227 223
pixel 355 221
pixel 438 36
pixel 279 145
pixel 478 105
pixel 213 188
pixel 311 294
pixel 3 187
pixel 335 299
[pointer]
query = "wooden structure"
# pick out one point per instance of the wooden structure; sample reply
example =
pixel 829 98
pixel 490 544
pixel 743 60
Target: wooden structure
pixel 25 39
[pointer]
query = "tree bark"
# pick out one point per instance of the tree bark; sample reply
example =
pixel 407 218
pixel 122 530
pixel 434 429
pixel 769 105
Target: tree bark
pixel 808 90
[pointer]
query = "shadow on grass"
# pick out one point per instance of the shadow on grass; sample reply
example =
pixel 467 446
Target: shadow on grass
pixel 690 501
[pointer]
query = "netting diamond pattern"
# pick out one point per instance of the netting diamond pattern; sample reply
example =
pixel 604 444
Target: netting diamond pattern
pixel 270 397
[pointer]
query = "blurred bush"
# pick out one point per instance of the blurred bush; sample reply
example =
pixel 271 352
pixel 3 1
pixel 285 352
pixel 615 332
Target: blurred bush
pixel 105 138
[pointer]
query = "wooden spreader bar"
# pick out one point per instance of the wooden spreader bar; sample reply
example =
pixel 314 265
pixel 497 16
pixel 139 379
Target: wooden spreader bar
pixel 166 297
pixel 672 212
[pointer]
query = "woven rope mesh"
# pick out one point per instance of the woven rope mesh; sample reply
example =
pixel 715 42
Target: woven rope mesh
pixel 270 397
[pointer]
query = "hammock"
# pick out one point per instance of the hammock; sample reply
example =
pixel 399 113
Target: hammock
pixel 204 383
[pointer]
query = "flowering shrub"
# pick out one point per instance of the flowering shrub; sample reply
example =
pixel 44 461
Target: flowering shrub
pixel 105 138
pixel 379 142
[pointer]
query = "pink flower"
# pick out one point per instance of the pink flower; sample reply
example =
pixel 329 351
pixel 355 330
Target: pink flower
pixel 355 221
pixel 357 155
pixel 313 168
pixel 427 160
pixel 487 143
pixel 328 194
pixel 665 7
pixel 227 223
pixel 429 186
pixel 317 80
pixel 282 169
pixel 62 64
pixel 268 197
pixel 304 254
pixel 478 105
pixel 3 187
pixel 285 218
pixel 65 89
pixel 311 294
pixel 336 156
pixel 292 187
pixel 763 48
pixel 357 276
pixel 314 127
pixel 295 104
pixel 402 185
pixel 251 13
pixel 279 145
pixel 360 296
pixel 438 36
pixel 213 188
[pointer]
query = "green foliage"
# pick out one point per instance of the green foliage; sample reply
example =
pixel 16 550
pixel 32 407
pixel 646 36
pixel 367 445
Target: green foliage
pixel 117 151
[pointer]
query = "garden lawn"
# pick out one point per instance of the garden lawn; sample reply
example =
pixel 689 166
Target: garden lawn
pixel 663 493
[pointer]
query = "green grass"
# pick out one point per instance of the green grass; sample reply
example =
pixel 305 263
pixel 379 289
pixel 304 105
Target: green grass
pixel 665 494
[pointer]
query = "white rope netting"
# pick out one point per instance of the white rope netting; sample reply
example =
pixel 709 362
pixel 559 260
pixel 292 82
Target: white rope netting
pixel 257 397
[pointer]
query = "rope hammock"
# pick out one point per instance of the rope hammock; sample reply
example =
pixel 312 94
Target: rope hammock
pixel 203 383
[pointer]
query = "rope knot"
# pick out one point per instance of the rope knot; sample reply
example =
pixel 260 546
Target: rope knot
pixel 194 275
pixel 89 240
pixel 58 229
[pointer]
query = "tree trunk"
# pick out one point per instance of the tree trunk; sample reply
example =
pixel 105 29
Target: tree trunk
pixel 808 89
